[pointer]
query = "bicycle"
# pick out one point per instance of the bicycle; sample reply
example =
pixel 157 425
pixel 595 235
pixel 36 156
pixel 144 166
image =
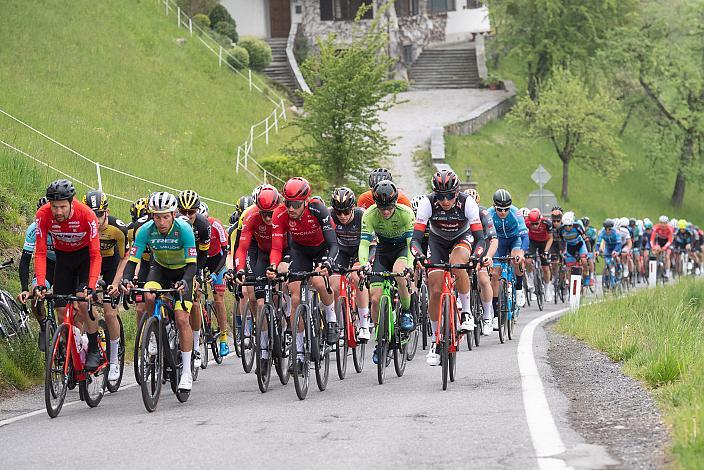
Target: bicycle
pixel 208 336
pixel 422 309
pixel 507 306
pixel 348 318
pixel 14 319
pixel 560 284
pixel 315 348
pixel 64 366
pixel 160 333
pixel 611 277
pixel 246 329
pixel 537 279
pixel 477 310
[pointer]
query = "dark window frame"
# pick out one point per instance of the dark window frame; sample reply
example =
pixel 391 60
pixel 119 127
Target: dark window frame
pixel 442 6
pixel 344 10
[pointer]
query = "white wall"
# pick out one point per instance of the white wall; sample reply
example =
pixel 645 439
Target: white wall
pixel 463 22
pixel 251 16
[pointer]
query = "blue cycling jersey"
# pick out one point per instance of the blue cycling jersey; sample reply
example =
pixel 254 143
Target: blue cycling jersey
pixel 512 226
pixel 612 240
pixel 30 241
pixel 572 234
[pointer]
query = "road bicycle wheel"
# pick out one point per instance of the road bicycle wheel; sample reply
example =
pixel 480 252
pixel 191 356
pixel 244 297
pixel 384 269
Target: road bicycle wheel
pixel 284 358
pixel 477 315
pixel 424 321
pixel 382 338
pixel 151 363
pixel 237 330
pixel 444 342
pixel 114 385
pixel 503 309
pixel 452 352
pixel 246 342
pixel 213 333
pixel 342 348
pixel 400 343
pixel 55 381
pixel 265 319
pixel 138 344
pixel 204 343
pixel 538 286
pixel 412 345
pixel 92 389
pixel 301 372
pixel 358 353
pixel 510 315
pixel 322 361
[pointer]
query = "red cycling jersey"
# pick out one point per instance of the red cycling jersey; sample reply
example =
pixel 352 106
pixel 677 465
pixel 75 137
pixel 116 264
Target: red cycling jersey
pixel 541 232
pixel 313 228
pixel 78 231
pixel 662 232
pixel 218 237
pixel 253 227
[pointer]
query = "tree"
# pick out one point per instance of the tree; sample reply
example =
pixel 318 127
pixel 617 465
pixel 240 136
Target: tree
pixel 555 33
pixel 341 131
pixel 581 126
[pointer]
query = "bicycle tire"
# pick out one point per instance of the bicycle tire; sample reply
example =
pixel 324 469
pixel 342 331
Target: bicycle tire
pixel 137 358
pixel 382 343
pixel 502 301
pixel 248 352
pixel 283 361
pixel 452 355
pixel 511 321
pixel 50 327
pixel 92 388
pixel 399 345
pixel 538 286
pixel 412 345
pixel 114 386
pixel 151 366
pixel 341 353
pixel 322 363
pixel 444 342
pixel 301 378
pixel 423 298
pixel 477 315
pixel 263 372
pixel 204 344
pixel 358 353
pixel 55 381
pixel 213 334
pixel 237 330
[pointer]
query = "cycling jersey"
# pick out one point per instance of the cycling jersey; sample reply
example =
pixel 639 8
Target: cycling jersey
pixel 625 235
pixel 590 235
pixel 312 229
pixel 113 235
pixel 30 241
pixel 78 231
pixel 366 200
pixel 253 227
pixel 572 235
pixel 540 232
pixel 174 250
pixel 662 236
pixel 612 241
pixel 348 235
pixel 218 240
pixel 201 233
pixel 512 226
pixel 132 230
pixel 682 238
pixel 396 231
pixel 645 239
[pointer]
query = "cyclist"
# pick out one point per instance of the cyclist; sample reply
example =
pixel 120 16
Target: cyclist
pixel 609 242
pixel 575 246
pixel 174 254
pixel 74 230
pixel 188 205
pixel 313 244
pixel 682 243
pixel 590 235
pixel 661 240
pixel 243 204
pixel 348 227
pixel 366 199
pixel 621 224
pixel 30 240
pixel 513 239
pixel 392 223
pixel 557 243
pixel 113 247
pixel 217 256
pixel 139 211
pixel 698 240
pixel 485 291
pixel 645 244
pixel 454 226
pixel 540 243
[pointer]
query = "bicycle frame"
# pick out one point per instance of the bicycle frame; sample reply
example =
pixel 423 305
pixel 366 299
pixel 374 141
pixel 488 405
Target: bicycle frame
pixel 350 298
pixel 507 274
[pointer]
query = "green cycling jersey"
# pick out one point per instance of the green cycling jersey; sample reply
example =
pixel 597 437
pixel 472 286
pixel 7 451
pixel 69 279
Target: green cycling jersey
pixel 174 250
pixel 396 230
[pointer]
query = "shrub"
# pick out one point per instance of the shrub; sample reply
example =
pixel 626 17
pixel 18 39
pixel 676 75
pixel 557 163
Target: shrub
pixel 301 47
pixel 220 13
pixel 239 59
pixel 195 7
pixel 226 29
pixel 224 41
pixel 286 167
pixel 396 86
pixel 259 53
pixel 202 20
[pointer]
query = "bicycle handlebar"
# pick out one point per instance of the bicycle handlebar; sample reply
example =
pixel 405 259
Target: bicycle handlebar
pixel 304 275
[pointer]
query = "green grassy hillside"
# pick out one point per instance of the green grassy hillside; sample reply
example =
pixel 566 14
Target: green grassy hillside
pixel 120 83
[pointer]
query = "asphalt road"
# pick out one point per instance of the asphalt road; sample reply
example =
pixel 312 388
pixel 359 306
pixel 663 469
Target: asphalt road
pixel 479 421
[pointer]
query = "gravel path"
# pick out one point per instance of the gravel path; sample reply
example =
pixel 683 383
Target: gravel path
pixel 606 407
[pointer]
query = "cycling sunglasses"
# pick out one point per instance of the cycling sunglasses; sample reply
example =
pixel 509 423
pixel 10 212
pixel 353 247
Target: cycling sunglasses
pixel 293 204
pixel 99 213
pixel 503 209
pixel 266 214
pixel 445 196
pixel 344 212
pixel 187 211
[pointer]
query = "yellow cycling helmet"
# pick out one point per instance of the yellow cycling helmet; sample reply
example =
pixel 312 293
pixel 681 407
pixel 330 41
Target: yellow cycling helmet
pixel 139 208
pixel 96 200
pixel 682 224
pixel 188 200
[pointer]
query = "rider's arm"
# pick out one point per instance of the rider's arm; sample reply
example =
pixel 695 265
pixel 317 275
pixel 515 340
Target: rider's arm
pixel 243 246
pixel 136 251
pixel 425 210
pixel 203 228
pixel 96 259
pixel 522 232
pixel 24 269
pixel 322 213
pixel 365 238
pixel 548 243
pixel 43 220
pixel 278 232
pixel 471 212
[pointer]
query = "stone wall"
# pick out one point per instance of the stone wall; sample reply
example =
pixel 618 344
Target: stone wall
pixel 316 28
pixel 487 113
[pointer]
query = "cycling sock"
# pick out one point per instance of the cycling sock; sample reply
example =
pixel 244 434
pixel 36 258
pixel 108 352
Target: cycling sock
pixel 93 341
pixel 223 336
pixel 196 340
pixel 405 302
pixel 488 311
pixel 363 317
pixel 434 326
pixel 299 344
pixel 264 338
pixel 186 359
pixel 464 299
pixel 330 313
pixel 519 282
pixel 114 349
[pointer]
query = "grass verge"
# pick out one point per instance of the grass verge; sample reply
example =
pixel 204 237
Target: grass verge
pixel 658 335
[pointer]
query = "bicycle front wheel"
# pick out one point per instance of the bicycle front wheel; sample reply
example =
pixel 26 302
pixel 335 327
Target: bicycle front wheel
pixel 301 368
pixel 444 342
pixel 137 364
pixel 151 363
pixel 246 339
pixel 263 342
pixel 342 348
pixel 322 359
pixel 55 381
pixel 114 386
pixel 382 338
pixel 503 309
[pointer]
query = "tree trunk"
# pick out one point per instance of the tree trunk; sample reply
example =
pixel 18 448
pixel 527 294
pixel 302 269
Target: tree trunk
pixel 625 121
pixel 685 159
pixel 565 177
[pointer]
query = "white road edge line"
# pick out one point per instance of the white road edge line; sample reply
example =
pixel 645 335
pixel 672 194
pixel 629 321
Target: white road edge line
pixel 543 431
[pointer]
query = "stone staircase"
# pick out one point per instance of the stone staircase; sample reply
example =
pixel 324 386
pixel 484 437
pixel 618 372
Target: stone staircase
pixel 279 70
pixel 447 67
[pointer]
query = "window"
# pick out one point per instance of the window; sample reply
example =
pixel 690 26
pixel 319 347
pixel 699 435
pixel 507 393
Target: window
pixel 343 10
pixel 441 6
pixel 471 4
pixel 406 8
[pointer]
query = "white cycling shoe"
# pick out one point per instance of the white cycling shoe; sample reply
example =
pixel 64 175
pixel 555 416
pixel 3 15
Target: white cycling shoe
pixel 467 322
pixel 186 382
pixel 196 359
pixel 114 373
pixel 432 358
pixel 520 297
pixel 487 327
pixel 363 333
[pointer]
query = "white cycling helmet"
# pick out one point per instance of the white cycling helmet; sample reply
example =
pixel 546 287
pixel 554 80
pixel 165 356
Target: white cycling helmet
pixel 647 221
pixel 624 222
pixel 617 223
pixel 162 203
pixel 203 208
pixel 568 218
pixel 663 219
pixel 524 211
pixel 416 201
pixel 639 224
pixel 673 223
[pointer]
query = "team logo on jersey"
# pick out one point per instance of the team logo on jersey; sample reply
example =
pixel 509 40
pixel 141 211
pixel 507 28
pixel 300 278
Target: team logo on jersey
pixel 133 251
pixel 192 253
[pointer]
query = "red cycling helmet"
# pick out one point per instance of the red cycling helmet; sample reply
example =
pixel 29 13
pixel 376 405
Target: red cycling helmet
pixel 296 189
pixel 268 198
pixel 534 216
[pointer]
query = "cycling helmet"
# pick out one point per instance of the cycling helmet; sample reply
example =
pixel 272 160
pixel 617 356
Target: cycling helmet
pixel 255 192
pixel 343 199
pixel 243 203
pixel 682 224
pixel 608 223
pixel 139 208
pixel 624 222
pixel 663 219
pixel 203 208
pixel 557 208
pixel 445 182
pixel 379 174
pixel 631 222
pixel 568 218
pixel 60 190
pixel 96 200
pixel 585 221
pixel 188 200
pixel 296 189
pixel 42 200
pixel 524 211
pixel 268 198
pixel 502 199
pixel 416 201
pixel 385 194
pixel 534 216
pixel 647 223
pixel 471 192
pixel 673 223
pixel 639 224
pixel 162 203
pixel 617 222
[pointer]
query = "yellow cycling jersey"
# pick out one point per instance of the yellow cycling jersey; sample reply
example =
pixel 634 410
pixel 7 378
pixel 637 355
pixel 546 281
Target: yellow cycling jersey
pixel 113 235
pixel 235 234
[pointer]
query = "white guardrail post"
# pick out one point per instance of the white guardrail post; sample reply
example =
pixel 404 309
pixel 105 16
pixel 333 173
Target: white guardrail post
pixel 653 273
pixel 575 287
pixel 100 179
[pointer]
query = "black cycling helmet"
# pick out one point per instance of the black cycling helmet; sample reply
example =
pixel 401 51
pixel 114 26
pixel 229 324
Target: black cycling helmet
pixel 608 223
pixel 631 222
pixel 42 200
pixel 343 199
pixel 380 174
pixel 445 182
pixel 96 200
pixel 502 199
pixel 385 194
pixel 60 190
pixel 243 203
pixel 585 221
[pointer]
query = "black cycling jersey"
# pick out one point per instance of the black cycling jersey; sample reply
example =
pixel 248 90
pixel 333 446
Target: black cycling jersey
pixel 487 223
pixel 348 235
pixel 201 231
pixel 682 239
